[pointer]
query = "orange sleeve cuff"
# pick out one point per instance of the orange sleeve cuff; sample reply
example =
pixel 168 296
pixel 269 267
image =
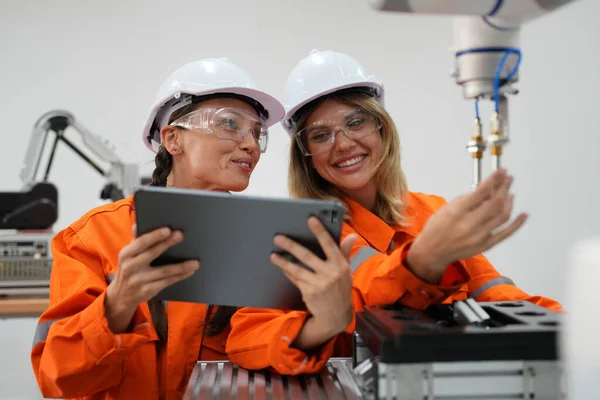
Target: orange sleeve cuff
pixel 292 361
pixel 420 294
pixel 103 343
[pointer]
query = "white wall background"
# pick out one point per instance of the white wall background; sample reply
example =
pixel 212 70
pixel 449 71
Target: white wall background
pixel 103 61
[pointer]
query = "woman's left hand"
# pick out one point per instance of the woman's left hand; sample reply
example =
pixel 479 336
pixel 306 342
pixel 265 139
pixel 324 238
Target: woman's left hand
pixel 327 292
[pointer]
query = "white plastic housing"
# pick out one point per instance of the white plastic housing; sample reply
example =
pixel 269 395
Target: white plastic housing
pixel 475 71
pixel 518 11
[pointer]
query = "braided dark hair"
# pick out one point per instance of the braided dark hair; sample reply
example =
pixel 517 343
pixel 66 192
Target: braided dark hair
pixel 222 317
pixel 163 164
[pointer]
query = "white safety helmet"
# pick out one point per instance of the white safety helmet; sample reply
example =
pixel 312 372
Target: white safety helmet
pixel 322 73
pixel 201 78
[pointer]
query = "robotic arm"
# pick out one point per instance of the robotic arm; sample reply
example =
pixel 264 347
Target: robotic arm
pixel 487 56
pixel 123 177
pixel 36 207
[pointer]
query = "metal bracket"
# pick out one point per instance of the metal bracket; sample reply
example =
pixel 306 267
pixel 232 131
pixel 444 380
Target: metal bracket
pixel 468 312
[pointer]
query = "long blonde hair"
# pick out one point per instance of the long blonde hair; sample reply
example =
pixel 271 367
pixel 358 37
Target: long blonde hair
pixel 305 182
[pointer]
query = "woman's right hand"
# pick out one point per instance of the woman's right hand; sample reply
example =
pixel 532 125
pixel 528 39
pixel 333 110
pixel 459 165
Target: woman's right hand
pixel 326 290
pixel 465 227
pixel 136 281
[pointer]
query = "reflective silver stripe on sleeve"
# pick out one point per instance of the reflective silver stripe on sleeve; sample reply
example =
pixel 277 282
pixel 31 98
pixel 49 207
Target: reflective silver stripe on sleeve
pixel 361 256
pixel 42 328
pixel 490 284
pixel 41 331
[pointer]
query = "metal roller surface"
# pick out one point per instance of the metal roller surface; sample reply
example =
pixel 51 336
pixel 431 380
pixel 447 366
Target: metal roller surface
pixel 224 380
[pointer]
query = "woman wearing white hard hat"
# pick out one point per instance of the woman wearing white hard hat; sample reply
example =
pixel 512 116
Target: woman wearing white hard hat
pixel 412 248
pixel 103 336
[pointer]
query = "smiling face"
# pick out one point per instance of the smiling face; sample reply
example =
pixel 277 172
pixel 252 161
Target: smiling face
pixel 206 161
pixel 363 166
pixel 350 162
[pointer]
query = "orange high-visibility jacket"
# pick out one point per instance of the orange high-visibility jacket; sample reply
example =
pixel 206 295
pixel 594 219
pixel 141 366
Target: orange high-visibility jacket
pixel 262 338
pixel 75 354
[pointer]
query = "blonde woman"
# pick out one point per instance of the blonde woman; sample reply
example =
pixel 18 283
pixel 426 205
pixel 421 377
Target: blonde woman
pixel 405 247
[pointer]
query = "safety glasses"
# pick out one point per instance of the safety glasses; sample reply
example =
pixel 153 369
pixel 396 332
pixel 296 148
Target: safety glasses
pixel 227 124
pixel 320 136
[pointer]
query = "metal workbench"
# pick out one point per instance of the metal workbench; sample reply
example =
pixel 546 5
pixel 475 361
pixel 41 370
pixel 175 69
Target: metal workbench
pixel 464 351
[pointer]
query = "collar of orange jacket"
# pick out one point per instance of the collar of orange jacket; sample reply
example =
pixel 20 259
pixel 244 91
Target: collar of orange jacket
pixel 375 230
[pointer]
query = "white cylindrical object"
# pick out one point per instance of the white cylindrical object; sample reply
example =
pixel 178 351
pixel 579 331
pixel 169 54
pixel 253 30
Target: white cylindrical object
pixel 523 10
pixel 473 32
pixel 580 347
pixel 475 71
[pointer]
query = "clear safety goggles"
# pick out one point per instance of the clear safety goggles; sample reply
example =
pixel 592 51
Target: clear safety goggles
pixel 226 123
pixel 320 136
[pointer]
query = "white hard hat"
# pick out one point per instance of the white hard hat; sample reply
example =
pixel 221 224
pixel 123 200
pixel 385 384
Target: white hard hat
pixel 200 78
pixel 322 73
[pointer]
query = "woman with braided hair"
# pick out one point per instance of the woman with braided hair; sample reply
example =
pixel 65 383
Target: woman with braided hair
pixel 104 335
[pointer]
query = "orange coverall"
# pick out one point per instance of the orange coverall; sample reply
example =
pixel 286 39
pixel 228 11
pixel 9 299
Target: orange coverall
pixel 75 354
pixel 262 338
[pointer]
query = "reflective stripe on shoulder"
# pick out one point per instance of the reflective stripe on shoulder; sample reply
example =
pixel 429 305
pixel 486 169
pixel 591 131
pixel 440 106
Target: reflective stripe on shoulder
pixel 361 256
pixel 490 284
pixel 41 331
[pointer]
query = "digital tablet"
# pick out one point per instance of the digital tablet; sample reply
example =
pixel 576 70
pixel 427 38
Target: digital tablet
pixel 232 236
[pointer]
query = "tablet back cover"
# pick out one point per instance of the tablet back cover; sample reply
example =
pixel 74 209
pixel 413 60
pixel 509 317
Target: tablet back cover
pixel 232 236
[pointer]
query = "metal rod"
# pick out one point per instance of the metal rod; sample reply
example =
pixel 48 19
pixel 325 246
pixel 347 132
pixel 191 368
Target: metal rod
pixel 476 147
pixel 476 172
pixel 495 162
pixel 39 160
pixel 499 132
pixel 51 159
pixel 80 153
